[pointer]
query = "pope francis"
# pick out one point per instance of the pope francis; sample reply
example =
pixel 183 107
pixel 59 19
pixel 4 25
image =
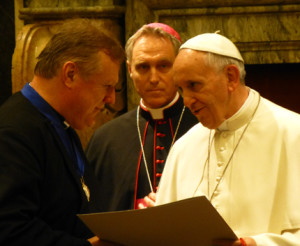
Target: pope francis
pixel 243 155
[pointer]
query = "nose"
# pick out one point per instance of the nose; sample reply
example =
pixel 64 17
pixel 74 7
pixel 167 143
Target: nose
pixel 110 96
pixel 154 77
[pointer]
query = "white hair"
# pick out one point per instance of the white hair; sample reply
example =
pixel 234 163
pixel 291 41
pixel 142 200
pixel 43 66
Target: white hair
pixel 219 62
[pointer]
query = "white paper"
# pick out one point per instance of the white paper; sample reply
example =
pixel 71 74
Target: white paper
pixel 192 221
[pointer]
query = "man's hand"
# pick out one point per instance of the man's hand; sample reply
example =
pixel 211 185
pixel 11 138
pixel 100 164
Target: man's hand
pixel 149 201
pixel 95 241
pixel 246 241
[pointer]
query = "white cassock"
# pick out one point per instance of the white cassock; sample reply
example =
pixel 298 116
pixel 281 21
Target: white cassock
pixel 257 192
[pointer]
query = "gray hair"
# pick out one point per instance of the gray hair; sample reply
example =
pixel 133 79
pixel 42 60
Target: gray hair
pixel 147 30
pixel 219 62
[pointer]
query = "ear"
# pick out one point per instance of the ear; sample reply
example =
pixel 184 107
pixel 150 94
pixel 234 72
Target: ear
pixel 69 73
pixel 129 68
pixel 233 77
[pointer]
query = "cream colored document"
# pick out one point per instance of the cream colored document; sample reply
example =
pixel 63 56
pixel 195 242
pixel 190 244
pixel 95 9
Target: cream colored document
pixel 192 221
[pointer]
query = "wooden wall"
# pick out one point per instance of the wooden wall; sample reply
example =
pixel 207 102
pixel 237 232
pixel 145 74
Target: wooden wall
pixel 266 32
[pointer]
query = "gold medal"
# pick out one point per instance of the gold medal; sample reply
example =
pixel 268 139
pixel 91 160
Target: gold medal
pixel 85 189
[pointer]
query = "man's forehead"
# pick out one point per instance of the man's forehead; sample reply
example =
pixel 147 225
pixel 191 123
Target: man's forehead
pixel 150 38
pixel 190 55
pixel 156 58
pixel 155 54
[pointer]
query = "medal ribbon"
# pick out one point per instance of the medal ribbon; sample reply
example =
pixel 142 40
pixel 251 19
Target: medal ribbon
pixel 67 135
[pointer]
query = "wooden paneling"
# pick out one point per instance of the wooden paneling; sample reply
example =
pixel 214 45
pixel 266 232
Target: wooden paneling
pixel 265 31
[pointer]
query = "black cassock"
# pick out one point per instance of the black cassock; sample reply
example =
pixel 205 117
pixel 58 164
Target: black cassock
pixel 115 153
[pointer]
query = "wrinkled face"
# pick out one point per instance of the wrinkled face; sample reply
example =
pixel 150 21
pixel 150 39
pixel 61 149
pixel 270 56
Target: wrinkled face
pixel 91 93
pixel 151 70
pixel 205 90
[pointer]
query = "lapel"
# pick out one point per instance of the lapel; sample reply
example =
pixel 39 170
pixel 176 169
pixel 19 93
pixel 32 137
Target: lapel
pixel 67 159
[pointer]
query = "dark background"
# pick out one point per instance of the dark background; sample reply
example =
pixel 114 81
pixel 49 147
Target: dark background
pixel 7 45
pixel 279 83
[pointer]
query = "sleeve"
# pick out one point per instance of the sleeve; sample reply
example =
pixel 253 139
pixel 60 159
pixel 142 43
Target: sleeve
pixel 288 238
pixel 20 189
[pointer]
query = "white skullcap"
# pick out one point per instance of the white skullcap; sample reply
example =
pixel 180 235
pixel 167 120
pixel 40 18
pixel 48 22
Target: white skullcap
pixel 214 43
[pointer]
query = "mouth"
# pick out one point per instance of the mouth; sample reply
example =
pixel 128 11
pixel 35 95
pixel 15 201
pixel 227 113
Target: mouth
pixel 98 109
pixel 154 90
pixel 197 111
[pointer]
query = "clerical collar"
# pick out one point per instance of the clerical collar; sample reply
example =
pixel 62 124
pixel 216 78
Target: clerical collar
pixel 243 114
pixel 158 113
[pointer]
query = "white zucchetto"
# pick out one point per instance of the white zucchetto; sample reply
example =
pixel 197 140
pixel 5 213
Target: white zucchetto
pixel 214 43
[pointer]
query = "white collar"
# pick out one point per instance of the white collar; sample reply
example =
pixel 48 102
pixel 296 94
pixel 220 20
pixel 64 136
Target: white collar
pixel 158 113
pixel 243 115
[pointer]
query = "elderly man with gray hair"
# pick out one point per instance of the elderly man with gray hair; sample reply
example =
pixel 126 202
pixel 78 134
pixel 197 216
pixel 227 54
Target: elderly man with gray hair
pixel 243 155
